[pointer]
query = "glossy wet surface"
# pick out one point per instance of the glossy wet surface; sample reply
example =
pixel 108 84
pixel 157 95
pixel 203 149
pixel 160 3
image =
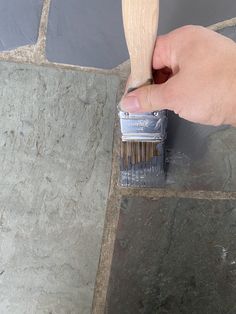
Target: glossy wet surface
pixel 200 157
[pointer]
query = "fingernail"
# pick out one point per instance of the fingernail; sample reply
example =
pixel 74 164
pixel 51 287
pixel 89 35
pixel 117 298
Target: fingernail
pixel 130 104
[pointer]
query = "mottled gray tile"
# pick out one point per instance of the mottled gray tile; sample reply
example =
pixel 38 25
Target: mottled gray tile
pixel 174 256
pixel 90 33
pixel 56 131
pixel 19 22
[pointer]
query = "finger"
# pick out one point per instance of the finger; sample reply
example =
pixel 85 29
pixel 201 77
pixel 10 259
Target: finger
pixel 150 98
pixel 162 53
pixel 170 48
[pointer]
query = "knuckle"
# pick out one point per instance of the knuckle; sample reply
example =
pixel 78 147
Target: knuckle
pixel 188 27
pixel 192 28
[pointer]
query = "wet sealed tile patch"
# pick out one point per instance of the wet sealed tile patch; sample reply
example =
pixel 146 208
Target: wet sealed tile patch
pixel 56 129
pixel 200 157
pixel 174 256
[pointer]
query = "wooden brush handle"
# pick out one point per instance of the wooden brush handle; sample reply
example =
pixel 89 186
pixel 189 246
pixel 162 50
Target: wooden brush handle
pixel 140 19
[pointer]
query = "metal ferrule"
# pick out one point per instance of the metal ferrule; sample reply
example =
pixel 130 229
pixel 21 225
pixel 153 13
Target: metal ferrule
pixel 143 127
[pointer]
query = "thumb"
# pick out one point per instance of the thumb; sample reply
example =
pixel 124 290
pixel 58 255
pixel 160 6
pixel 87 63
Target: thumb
pixel 146 99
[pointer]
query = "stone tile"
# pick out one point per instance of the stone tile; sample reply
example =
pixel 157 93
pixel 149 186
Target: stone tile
pixel 90 33
pixel 56 131
pixel 174 256
pixel 87 33
pixel 200 157
pixel 19 23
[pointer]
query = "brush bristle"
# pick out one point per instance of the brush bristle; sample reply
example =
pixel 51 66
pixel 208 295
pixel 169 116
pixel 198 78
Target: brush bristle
pixel 134 153
pixel 141 164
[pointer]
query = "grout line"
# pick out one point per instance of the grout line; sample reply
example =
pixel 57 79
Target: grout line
pixel 105 261
pixel 110 227
pixel 40 51
pixel 66 66
pixel 160 193
pixel 223 24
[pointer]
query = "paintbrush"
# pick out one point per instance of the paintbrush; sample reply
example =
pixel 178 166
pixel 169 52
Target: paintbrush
pixel 142 135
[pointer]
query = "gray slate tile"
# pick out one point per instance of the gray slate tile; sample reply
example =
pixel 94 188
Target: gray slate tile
pixel 19 22
pixel 174 256
pixel 86 32
pixel 56 131
pixel 90 33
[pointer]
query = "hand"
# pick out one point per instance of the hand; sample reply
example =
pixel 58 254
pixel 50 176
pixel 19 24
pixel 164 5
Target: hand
pixel 202 87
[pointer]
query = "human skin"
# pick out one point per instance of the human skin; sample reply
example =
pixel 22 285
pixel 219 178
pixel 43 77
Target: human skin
pixel 202 87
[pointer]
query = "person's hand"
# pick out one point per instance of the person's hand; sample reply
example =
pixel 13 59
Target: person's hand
pixel 202 87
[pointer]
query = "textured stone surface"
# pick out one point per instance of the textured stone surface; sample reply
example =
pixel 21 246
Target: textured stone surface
pixel 174 256
pixel 19 22
pixel 55 159
pixel 90 33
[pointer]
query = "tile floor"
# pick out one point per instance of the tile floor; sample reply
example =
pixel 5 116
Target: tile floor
pixel 56 127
